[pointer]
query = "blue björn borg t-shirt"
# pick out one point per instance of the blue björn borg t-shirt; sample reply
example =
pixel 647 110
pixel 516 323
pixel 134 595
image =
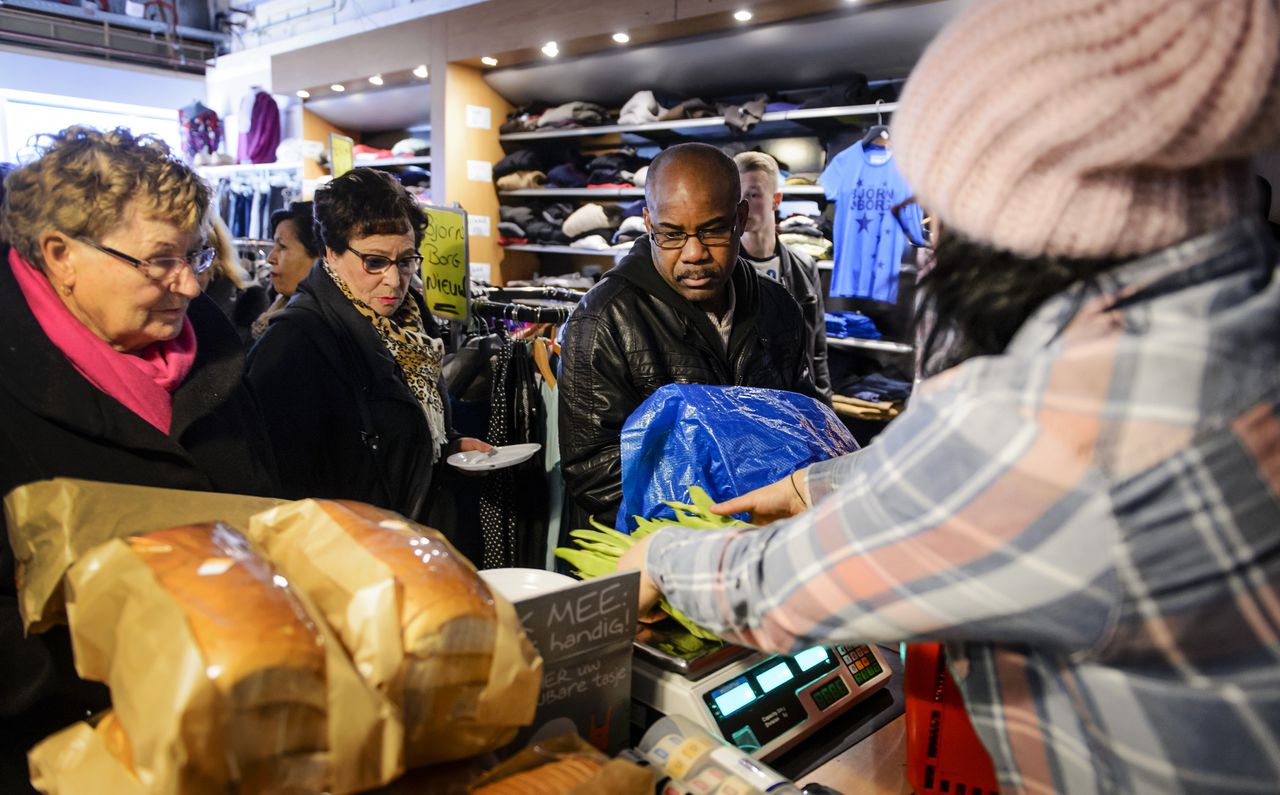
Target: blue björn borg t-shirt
pixel 865 185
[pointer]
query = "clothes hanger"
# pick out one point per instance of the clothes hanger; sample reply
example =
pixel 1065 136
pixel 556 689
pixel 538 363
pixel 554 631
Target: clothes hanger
pixel 878 133
pixel 543 361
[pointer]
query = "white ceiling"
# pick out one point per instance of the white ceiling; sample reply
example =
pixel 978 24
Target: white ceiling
pixel 882 41
pixel 375 110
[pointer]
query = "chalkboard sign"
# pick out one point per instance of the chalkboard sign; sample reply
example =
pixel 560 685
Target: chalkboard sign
pixel 446 287
pixel 585 636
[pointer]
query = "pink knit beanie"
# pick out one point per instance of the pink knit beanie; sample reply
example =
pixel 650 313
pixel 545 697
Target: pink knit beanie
pixel 1092 128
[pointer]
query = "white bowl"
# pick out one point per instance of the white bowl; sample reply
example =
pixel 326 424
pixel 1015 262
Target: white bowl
pixel 517 584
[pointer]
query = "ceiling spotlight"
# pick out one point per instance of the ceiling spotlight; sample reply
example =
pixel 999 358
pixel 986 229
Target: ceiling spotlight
pixel 376 80
pixel 420 71
pixel 551 49
pixel 303 93
pixel 621 38
pixel 489 60
pixel 338 87
pixel 743 15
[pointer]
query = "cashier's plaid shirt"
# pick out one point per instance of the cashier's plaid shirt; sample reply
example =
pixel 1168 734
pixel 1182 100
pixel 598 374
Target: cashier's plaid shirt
pixel 1090 520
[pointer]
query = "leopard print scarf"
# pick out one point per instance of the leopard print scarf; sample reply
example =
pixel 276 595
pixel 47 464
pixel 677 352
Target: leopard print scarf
pixel 419 355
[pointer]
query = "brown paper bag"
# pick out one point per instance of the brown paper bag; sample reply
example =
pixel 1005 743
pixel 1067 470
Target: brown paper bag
pixel 420 624
pixel 53 522
pixel 82 760
pixel 219 673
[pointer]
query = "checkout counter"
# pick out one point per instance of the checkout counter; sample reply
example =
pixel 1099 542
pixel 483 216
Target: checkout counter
pixel 808 715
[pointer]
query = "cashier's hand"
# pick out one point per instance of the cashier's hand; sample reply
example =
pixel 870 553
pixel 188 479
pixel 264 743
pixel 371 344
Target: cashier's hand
pixel 649 594
pixel 781 500
pixel 466 444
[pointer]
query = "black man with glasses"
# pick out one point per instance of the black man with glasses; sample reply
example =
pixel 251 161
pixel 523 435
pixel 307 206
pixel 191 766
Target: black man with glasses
pixel 680 307
pixel 349 373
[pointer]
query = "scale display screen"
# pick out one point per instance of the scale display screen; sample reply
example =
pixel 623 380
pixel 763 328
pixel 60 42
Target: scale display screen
pixel 775 677
pixel 811 657
pixel 735 698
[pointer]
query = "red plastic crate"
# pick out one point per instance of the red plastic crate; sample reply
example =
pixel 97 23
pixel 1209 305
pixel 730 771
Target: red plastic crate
pixel 944 754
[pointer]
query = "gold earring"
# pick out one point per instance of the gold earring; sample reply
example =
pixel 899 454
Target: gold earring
pixel 66 289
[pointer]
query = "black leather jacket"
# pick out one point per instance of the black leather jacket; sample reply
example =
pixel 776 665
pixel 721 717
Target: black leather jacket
pixel 800 276
pixel 633 334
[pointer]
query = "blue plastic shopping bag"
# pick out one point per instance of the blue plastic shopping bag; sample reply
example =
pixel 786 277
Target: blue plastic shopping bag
pixel 728 440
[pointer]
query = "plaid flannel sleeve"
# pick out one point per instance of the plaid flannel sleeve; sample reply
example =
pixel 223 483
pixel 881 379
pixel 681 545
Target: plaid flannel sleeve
pixel 974 516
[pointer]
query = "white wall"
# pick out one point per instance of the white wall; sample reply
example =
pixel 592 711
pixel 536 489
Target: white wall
pixel 65 76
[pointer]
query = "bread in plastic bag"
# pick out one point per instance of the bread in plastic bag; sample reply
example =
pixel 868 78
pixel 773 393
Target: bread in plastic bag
pixel 219 674
pixel 419 622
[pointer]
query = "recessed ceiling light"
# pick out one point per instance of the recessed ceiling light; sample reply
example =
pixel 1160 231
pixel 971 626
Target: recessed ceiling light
pixel 621 38
pixel 420 71
pixel 551 49
pixel 376 80
pixel 743 15
pixel 338 87
pixel 489 60
pixel 303 93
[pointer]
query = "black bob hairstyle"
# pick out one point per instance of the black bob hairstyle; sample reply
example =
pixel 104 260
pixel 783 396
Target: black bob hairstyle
pixel 363 202
pixel 303 225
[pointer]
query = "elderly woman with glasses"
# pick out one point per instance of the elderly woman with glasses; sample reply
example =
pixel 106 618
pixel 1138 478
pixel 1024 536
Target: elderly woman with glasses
pixel 114 367
pixel 349 373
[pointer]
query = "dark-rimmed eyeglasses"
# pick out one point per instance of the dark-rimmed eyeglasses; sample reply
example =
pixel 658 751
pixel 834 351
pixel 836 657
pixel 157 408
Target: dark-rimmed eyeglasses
pixel 711 238
pixel 376 263
pixel 160 269
pixel 919 226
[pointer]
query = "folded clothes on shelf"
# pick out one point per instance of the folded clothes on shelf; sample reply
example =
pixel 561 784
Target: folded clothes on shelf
pixel 574 114
pixel 522 180
pixel 875 387
pixel 691 109
pixel 567 175
pixel 516 214
pixel 815 247
pixel 519 160
pixel 851 324
pixel 591 218
pixel 411 147
pixel 642 108
pixel 591 242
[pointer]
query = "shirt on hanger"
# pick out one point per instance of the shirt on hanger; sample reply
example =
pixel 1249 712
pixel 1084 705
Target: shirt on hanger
pixel 865 185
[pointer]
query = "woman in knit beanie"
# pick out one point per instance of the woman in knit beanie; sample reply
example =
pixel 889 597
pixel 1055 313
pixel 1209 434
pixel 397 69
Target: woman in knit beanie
pixel 1085 507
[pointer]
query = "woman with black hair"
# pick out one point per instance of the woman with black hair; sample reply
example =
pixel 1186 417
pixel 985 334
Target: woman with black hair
pixel 349 373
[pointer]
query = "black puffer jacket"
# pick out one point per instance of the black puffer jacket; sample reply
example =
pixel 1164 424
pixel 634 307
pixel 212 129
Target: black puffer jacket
pixel 633 334
pixel 341 416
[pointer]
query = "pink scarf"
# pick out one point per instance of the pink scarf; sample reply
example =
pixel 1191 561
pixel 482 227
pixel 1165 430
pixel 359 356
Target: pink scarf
pixel 143 382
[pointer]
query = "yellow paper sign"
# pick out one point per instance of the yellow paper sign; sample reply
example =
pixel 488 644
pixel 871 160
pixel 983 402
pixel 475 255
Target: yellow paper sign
pixel 444 263
pixel 341 154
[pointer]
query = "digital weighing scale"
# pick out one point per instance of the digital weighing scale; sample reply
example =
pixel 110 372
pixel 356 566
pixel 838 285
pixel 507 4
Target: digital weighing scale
pixel 763 703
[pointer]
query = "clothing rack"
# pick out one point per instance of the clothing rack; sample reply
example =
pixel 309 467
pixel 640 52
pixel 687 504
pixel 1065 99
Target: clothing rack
pixel 554 315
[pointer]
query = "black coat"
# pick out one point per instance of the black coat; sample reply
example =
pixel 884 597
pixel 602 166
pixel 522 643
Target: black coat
pixel 342 419
pixel 54 423
pixel 632 333
pixel 799 274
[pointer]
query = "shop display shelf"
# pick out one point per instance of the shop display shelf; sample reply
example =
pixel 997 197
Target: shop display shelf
pixel 581 252
pixel 423 160
pixel 781 117
pixel 625 193
pixel 856 344
pixel 246 168
pixel 579 193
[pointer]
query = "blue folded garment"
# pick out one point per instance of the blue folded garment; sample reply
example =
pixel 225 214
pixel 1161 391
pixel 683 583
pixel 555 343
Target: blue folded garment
pixel 851 324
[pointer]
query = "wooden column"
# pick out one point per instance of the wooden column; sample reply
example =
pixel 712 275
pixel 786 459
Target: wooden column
pixel 455 87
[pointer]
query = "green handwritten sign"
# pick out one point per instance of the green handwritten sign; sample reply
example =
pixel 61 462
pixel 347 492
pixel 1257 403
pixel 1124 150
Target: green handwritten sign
pixel 444 263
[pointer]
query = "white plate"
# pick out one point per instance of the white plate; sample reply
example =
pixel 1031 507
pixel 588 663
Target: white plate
pixel 517 584
pixel 509 456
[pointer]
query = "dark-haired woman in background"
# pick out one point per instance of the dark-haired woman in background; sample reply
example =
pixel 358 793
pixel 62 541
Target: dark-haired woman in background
pixel 294 251
pixel 349 373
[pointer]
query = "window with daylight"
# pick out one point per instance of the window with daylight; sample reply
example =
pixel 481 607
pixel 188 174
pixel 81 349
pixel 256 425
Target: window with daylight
pixel 25 115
